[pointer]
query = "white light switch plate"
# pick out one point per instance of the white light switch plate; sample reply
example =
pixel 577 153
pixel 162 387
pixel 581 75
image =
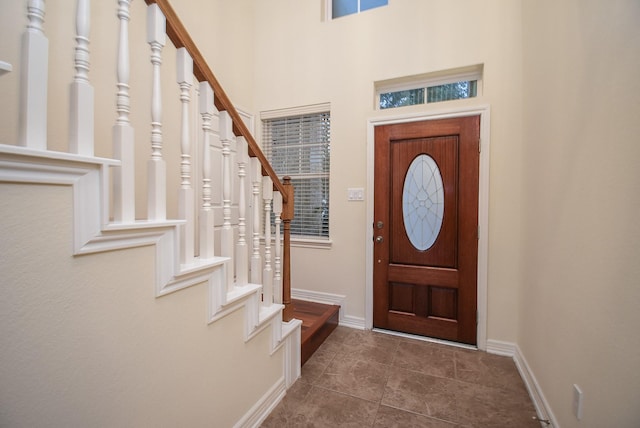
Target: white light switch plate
pixel 355 194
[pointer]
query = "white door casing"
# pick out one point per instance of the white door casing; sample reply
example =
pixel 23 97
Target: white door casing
pixel 483 205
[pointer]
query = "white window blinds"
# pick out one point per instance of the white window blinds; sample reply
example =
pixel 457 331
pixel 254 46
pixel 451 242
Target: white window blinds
pixel 299 146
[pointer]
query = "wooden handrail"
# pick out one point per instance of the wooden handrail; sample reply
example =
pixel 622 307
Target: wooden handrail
pixel 181 39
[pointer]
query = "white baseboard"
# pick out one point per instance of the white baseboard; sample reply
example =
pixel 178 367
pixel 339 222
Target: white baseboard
pixel 352 322
pixel 330 299
pixel 509 349
pixel 264 406
pixel 320 297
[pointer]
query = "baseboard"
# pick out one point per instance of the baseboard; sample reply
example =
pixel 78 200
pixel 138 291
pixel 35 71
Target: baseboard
pixel 352 322
pixel 320 297
pixel 543 410
pixel 330 299
pixel 264 406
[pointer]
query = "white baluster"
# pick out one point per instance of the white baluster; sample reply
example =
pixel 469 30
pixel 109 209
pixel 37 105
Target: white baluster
pixel 33 80
pixel 81 92
pixel 267 272
pixel 186 197
pixel 157 167
pixel 206 213
pixel 256 259
pixel 226 234
pixel 277 263
pixel 123 135
pixel 242 250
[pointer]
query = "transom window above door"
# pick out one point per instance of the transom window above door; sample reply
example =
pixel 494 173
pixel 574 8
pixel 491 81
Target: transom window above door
pixel 429 88
pixel 347 7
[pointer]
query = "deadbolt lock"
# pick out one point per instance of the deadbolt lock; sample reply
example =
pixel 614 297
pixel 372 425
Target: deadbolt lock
pixel 379 225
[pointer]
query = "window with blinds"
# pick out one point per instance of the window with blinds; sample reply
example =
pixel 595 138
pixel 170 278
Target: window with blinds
pixel 299 146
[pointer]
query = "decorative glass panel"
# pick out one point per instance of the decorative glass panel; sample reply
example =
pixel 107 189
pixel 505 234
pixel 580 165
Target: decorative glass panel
pixel 423 202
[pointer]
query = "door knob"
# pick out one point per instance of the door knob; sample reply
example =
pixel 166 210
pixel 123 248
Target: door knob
pixel 379 239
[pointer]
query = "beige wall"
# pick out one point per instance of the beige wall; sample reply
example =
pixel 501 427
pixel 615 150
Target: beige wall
pixel 86 343
pixel 84 340
pixel 561 80
pixel 301 59
pixel 580 296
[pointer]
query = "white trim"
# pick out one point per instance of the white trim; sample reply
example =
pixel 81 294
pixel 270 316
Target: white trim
pixel 427 80
pixel 295 111
pixel 320 297
pixel 265 405
pixel 483 205
pixel 352 322
pixel 319 244
pixel 292 365
pixel 330 299
pixel 5 67
pixel 543 409
pixel 473 72
pixel 425 339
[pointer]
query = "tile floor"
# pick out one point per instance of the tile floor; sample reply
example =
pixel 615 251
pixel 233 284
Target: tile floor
pixel 369 379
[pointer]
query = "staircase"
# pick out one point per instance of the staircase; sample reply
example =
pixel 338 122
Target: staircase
pixel 214 228
pixel 318 321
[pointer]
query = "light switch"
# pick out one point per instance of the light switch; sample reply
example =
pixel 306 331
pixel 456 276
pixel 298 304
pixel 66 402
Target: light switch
pixel 355 194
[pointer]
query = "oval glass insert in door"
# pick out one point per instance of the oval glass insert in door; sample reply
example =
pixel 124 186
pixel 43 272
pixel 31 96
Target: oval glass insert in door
pixel 423 202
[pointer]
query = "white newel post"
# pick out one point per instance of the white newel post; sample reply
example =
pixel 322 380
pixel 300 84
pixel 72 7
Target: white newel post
pixel 242 250
pixel 186 196
pixel 277 263
pixel 226 234
pixel 206 212
pixel 34 70
pixel 267 273
pixel 256 259
pixel 123 135
pixel 157 167
pixel 81 107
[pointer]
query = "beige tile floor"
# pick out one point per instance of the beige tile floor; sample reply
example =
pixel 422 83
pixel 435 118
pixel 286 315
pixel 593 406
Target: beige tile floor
pixel 369 379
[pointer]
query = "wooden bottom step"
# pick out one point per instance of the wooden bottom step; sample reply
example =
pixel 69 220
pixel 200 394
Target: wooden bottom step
pixel 318 321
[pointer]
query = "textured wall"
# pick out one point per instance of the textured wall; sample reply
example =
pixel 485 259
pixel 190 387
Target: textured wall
pixel 86 343
pixel 580 294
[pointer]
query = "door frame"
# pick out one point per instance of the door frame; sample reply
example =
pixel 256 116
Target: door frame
pixel 483 204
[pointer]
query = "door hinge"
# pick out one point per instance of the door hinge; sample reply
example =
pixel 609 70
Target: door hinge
pixel 479 145
pixel 478 236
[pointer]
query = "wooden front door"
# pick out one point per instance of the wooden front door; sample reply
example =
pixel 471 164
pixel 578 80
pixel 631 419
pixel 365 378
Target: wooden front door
pixel 426 228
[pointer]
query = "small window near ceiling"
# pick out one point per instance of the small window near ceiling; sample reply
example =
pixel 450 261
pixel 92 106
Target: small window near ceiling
pixel 347 7
pixel 429 88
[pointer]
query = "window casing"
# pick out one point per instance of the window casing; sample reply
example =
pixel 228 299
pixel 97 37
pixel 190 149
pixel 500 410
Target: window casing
pixel 297 144
pixel 430 88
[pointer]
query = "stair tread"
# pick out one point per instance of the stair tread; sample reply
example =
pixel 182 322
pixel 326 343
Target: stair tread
pixel 318 321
